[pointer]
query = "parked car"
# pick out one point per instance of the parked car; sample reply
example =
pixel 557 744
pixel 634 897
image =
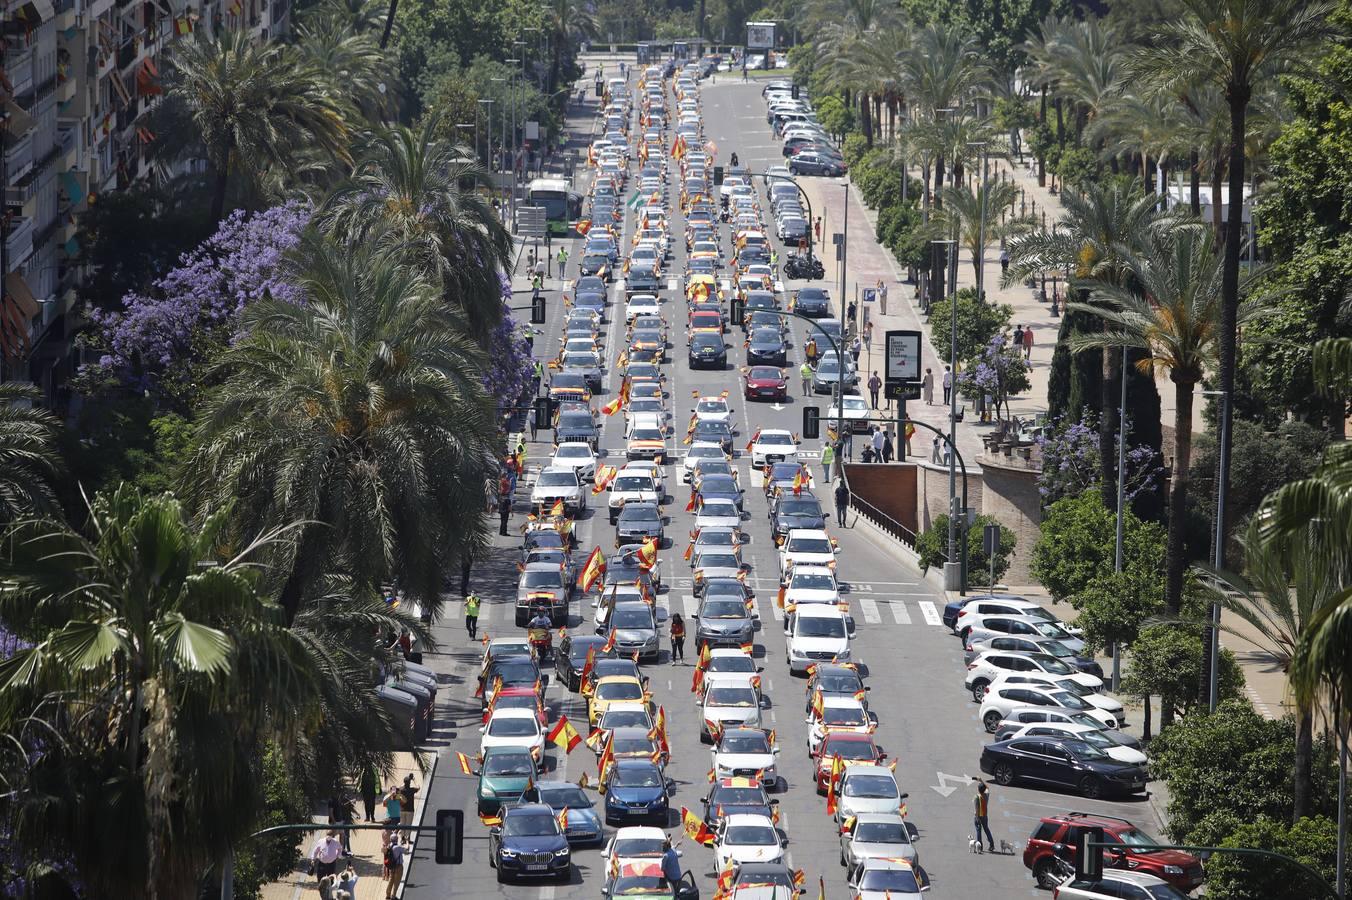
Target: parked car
pixel 1062 762
pixel 1182 870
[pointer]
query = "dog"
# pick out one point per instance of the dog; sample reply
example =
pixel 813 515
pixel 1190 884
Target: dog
pixel 1006 847
pixel 974 845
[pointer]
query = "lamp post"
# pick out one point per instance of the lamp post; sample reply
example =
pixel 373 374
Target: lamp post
pixel 935 262
pixel 488 133
pixel 952 568
pixel 981 227
pixel 1218 553
pixel 1121 501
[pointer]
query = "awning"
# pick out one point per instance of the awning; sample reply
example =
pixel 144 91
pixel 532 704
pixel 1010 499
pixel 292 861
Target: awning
pixel 17 290
pixel 18 121
pixel 74 190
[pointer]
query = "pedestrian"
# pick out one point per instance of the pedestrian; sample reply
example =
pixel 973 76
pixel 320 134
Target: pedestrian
pixel 867 456
pixel 888 449
pixel 368 786
pixel 877 440
pixel 406 795
pixel 327 885
pixel 393 802
pixel 562 260
pixel 465 567
pixel 847 444
pixel 856 347
pixel 1017 343
pixel 472 615
pixel 909 431
pixel 852 311
pixel 1004 262
pixel 927 387
pixel 842 501
pixel 981 814
pixel 504 512
pixel 677 638
pixel 948 384
pixel 875 384
pixel 671 863
pixel 347 880
pixel 810 352
pixel 817 229
pixel 1028 342
pixel 868 336
pixel 324 856
pixel 805 373
pixel 828 457
pixel 937 456
pixel 394 866
pixel 342 813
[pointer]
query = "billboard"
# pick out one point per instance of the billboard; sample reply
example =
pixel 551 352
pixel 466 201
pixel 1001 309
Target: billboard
pixel 902 362
pixel 760 35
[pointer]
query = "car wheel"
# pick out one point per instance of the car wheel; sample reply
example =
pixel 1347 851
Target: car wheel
pixel 979 689
pixel 991 721
pixel 1004 774
pixel 1090 787
pixel 1044 873
pixel 842 858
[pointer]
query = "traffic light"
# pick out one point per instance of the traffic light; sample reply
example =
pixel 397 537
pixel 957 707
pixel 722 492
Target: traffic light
pixel 537 310
pixel 795 91
pixel 1089 860
pixel 812 418
pixel 544 412
pixel 450 837
pixel 718 175
pixel 735 312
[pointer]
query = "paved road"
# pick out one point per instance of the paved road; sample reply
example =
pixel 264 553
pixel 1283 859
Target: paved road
pixel 914 665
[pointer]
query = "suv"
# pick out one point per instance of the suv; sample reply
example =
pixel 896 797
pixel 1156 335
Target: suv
pixel 1182 870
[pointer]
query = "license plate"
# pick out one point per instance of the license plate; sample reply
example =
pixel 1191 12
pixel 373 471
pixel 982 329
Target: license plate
pixel 536 867
pixel 773 458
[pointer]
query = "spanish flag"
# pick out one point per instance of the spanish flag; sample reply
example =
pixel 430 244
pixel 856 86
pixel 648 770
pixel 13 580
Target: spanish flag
pixel 491 821
pixel 660 726
pixel 557 508
pixel 647 553
pixel 594 568
pixel 751 443
pixel 564 735
pixel 695 829
pixel 613 406
pixel 582 226
pixel 689 550
pixel 610 643
pixel 465 765
pixel 798 482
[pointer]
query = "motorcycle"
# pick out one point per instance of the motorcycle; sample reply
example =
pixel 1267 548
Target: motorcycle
pixel 801 265
pixel 541 639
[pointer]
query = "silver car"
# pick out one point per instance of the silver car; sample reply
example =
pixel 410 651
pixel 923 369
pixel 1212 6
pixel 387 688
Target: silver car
pixel 876 836
pixel 827 377
pixel 635 629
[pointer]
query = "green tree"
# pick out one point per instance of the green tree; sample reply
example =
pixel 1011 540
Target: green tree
pixel 357 70
pixel 1077 545
pixel 978 322
pixel 1167 661
pixel 29 462
pixel 932 546
pixel 569 22
pixel 835 116
pixel 1312 841
pixel 978 218
pixel 1113 606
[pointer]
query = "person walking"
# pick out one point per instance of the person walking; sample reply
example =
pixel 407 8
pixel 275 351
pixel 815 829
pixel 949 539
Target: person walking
pixel 324 855
pixel 368 786
pixel 1028 343
pixel 937 456
pixel 817 229
pixel 1017 343
pixel 888 448
pixel 677 638
pixel 342 813
pixel 828 457
pixel 875 384
pixel 856 347
pixel 810 352
pixel 852 310
pixel 504 512
pixel 981 802
pixel 805 373
pixel 868 336
pixel 877 440
pixel 472 615
pixel 562 260
pixel 406 795
pixel 842 502
pixel 394 866
pixel 465 566
pixel 948 384
pixel 927 387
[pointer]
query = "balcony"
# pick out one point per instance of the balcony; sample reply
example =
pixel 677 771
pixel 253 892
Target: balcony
pixel 19 242
pixel 19 158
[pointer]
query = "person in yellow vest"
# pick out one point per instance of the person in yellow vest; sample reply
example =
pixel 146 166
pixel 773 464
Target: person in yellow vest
pixel 981 803
pixel 472 615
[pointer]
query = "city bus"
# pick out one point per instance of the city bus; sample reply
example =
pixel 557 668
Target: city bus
pixel 562 204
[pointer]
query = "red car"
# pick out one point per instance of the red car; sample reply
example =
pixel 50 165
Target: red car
pixel 766 383
pixel 1182 870
pixel 849 746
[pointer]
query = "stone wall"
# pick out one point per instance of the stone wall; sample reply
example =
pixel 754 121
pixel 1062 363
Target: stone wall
pixel 891 489
pixel 1010 494
pixel 932 488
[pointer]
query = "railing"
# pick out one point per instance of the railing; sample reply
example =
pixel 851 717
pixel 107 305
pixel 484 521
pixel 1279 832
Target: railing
pixel 883 520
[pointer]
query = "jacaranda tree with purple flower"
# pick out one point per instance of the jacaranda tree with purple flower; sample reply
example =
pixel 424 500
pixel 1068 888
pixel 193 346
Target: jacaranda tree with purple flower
pixel 509 360
pixel 998 372
pixel 1070 461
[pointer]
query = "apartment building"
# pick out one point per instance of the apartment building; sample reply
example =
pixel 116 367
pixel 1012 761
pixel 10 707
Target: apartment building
pixel 77 80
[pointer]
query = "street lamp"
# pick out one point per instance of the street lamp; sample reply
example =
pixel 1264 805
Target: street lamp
pixel 488 133
pixel 1218 550
pixel 981 228
pixel 952 568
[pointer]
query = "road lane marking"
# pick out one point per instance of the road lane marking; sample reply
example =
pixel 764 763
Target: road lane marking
pixel 690 604
pixel 869 608
pixel 931 614
pixel 899 613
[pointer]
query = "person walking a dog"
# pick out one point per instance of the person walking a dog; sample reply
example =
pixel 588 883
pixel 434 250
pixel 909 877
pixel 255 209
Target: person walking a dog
pixel 981 802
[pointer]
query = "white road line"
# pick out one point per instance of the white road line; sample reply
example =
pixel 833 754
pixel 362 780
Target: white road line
pixel 870 610
pixel 900 613
pixel 931 614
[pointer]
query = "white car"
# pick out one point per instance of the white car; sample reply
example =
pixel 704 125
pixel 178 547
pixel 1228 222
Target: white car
pixel 875 836
pixel 652 468
pixel 806 547
pixel 730 665
pixel 516 728
pixel 635 845
pixel 575 455
pixel 839 713
pixel 712 409
pixel 816 633
pixel 746 838
pixel 993 664
pixel 1090 734
pixel 631 486
pixel 855 414
pixel 563 484
pixel 728 705
pixel 695 454
pixel 1093 696
pixel 773 445
pixel 642 305
pixel 746 752
pixel 718 514
pixel 984 626
pixel 626 715
pixel 887 879
pixel 867 789
pixel 970 614
pixel 1118 883
pixel 1002 699
pixel 1020 716
pixel 811 584
pixel 776 175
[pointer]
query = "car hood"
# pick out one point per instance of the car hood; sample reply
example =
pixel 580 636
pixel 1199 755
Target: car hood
pixel 811 559
pixel 744 760
pixel 748 714
pixel 724 626
pixel 799 520
pixel 535 843
pixel 1126 755
pixel 744 853
pixel 882 851
pixel 810 595
pixel 634 635
pixel 850 806
pixel 636 794
pixel 821 644
pixel 506 784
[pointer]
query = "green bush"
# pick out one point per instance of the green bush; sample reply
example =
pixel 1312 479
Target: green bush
pixel 1078 543
pixel 1077 165
pixel 932 545
pixel 977 323
pixel 1167 660
pixel 853 149
pixel 1311 840
pixel 835 116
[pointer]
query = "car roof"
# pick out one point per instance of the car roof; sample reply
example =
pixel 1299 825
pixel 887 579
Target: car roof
pixel 879 817
pixel 512 713
pixel 818 611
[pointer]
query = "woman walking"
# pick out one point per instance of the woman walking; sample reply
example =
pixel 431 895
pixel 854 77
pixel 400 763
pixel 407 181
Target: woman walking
pixel 677 638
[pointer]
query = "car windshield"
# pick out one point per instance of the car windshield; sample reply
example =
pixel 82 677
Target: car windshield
pixel 513 727
pixel 820 627
pixel 577 419
pixel 776 440
pixel 844 715
pixel 638 847
pixel 1073 687
pixel 544 579
pixel 646 434
pixel 724 609
pixel 903 881
pixel 732 664
pixel 1056 648
pixel 624 718
pixel 731 696
pixel 565 796
pixel 637 776
pixel 639 514
pixel 811 581
pixel 573 451
pixel 1051 664
pixel 634 483
pixel 577 651
pixel 633 745
pixel 530 825
pixel 809 545
pixel 718 561
pixel 748 835
pixel 557 479
pixel 745 743
pixel 705 453
pixel 1085 751
pixel 838 682
pixel 711 538
pixel 881 833
pixel 873 787
pixel 631 618
pixel 849 750
pixel 1050 629
pixel 799 507
pixel 707 426
pixel 737 796
pixel 712 406
pixel 508 764
pixel 1069 700
pixel 619 690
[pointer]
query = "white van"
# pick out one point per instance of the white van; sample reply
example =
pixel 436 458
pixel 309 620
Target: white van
pixel 817 632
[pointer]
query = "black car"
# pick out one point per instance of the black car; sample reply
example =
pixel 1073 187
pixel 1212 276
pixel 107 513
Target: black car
pixel 576 426
pixel 571 656
pixel 811 162
pixel 724 619
pixel 710 432
pixel 766 347
pixel 735 797
pixel 1063 763
pixel 789 511
pixel 720 487
pixel 595 264
pixel 590 284
pixel 763 318
pixel 707 351
pixel 814 302
pixel 515 671
pixel 703 266
pixel 833 679
pixel 642 280
pixel 637 523
pixel 529 844
pixel 781 475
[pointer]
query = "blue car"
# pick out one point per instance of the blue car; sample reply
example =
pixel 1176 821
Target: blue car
pixel 529 844
pixel 635 789
pixel 584 825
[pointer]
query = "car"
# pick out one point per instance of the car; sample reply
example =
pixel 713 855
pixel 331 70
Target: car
pixel 504 774
pixel 625 715
pixel 543 584
pixel 806 547
pixel 529 843
pixel 498 649
pixel 646 441
pixel 765 346
pixel 1129 885
pixel 1001 699
pixel 816 633
pixel 993 606
pixel 638 522
pixel 508 727
pixel 714 409
pixel 1180 869
pixel 631 486
pixel 633 743
pixel 836 713
pixel 867 836
pixel 804 585
pixel 642 280
pixel 1091 734
pixel 1061 762
pixel 745 838
pixel 781 476
pixel 1020 644
pixel 733 665
pixel 698 452
pixel 635 626
pixel 727 705
pixel 884 879
pixel 993 664
pixel 707 350
pixel 813 302
pixel 597 264
pixel 613 689
pixel 521 697
pixel 584 825
pixel 717 513
pixel 746 752
pixel 641 305
pixel 828 377
pixel 575 455
pixel 734 795
pixel 712 485
pixel 568 386
pixel 854 410
pixel 863 788
pixel 765 383
pixel 834 679
pixel 576 426
pixel 705 468
pixel 635 789
pixel 645 882
pixel 983 627
pixel 635 845
pixel 515 671
pixel 587 363
pixel 853 748
pixel 1034 715
pixel 790 511
pixel 560 484
pixel 570 657
pixel 770 445
pixel 714 564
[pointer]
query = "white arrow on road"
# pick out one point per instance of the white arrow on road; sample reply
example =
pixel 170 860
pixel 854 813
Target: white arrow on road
pixel 944 788
pixel 778 407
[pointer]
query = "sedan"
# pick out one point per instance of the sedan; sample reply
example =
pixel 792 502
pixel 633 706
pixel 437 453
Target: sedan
pixel 584 825
pixel 635 789
pixel 854 410
pixel 765 383
pixel 747 838
pixel 828 378
pixel 1061 762
pixel 746 752
pixel 519 728
pixel 707 350
pixel 724 621
pixel 765 346
pixel 875 836
pixel 814 302
pixel 772 445
pixel 641 305
pixel 529 842
pixel 884 879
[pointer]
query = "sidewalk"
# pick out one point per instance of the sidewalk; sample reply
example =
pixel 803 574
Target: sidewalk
pixel 366 845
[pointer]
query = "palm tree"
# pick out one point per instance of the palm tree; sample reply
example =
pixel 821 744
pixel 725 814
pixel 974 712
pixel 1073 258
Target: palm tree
pixel 355 16
pixel 361 414
pixel 355 69
pixel 28 457
pixel 418 194
pixel 965 209
pixel 1236 45
pixel 1098 226
pixel 841 24
pixel 253 105
pixel 569 21
pixel 156 671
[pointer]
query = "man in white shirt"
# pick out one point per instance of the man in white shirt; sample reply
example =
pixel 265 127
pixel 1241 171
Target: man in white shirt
pixel 325 854
pixel 948 384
